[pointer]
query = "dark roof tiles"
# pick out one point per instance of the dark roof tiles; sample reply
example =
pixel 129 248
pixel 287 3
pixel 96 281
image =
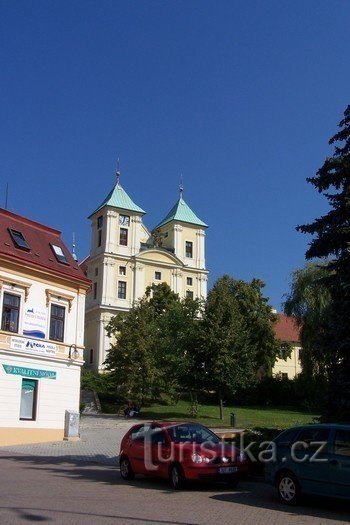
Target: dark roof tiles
pixel 38 237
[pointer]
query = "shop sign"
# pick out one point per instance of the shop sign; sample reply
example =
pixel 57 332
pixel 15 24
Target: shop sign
pixel 29 372
pixel 32 345
pixel 34 322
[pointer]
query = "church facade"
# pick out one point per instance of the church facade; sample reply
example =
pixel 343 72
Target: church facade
pixel 125 257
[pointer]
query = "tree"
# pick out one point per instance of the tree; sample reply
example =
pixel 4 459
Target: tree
pixel 308 302
pixel 332 241
pixel 239 337
pixel 157 346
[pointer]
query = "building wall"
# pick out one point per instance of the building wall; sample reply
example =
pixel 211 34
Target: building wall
pixel 290 366
pixel 23 355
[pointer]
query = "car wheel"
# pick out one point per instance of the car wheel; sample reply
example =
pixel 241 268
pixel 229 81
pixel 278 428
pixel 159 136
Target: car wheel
pixel 177 477
pixel 288 488
pixel 126 471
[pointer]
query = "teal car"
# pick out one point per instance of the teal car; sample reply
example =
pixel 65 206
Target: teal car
pixel 310 459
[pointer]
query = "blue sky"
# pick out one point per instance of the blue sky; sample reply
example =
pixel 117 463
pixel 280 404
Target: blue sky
pixel 238 96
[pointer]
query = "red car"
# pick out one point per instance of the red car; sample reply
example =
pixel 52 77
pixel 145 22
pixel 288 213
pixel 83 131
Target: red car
pixel 180 452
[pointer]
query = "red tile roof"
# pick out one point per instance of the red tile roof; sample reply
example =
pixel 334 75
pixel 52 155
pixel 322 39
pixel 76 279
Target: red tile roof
pixel 38 237
pixel 286 329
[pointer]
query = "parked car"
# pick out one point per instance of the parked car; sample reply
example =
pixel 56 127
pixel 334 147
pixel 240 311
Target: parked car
pixel 180 452
pixel 311 459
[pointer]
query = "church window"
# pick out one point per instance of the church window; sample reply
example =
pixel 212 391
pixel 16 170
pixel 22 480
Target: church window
pixel 95 290
pixel 121 290
pixel 189 294
pixel 124 220
pixel 99 239
pixel 189 249
pixel 123 237
pixel 189 281
pixel 99 222
pixel 122 270
pixel 157 276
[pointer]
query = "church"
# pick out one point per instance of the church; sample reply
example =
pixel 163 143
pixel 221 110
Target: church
pixel 125 257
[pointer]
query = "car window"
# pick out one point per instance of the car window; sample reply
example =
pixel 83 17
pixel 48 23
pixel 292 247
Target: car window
pixel 287 437
pixel 311 438
pixel 342 443
pixel 138 434
pixel 192 433
pixel 158 436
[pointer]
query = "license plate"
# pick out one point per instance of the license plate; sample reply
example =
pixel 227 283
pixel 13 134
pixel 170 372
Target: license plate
pixel 227 470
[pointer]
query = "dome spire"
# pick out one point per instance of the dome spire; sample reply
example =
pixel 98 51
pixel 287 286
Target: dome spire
pixel 181 187
pixel 117 173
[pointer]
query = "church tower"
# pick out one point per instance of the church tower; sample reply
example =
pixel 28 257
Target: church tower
pixel 182 231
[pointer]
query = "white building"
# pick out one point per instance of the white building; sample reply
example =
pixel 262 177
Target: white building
pixel 42 306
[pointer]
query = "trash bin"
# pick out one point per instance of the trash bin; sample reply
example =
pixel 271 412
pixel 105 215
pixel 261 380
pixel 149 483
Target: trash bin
pixel 233 420
pixel 71 425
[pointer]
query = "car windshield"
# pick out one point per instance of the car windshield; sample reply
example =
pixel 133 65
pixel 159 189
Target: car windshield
pixel 192 433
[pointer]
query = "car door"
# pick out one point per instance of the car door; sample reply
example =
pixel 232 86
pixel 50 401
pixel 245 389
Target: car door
pixel 136 451
pixel 310 455
pixel 340 464
pixel 161 451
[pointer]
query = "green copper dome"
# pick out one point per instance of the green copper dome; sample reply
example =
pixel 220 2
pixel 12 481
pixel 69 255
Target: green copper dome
pixel 182 212
pixel 118 198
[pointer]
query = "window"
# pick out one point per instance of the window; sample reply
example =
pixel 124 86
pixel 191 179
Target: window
pixel 95 290
pixel 19 239
pixel 99 237
pixel 284 375
pixel 91 356
pixel 124 220
pixel 123 237
pixel 189 281
pixel 157 276
pixel 28 399
pixel 10 313
pixel 121 290
pixel 96 272
pixel 57 250
pixel 99 222
pixel 189 294
pixel 342 443
pixel 166 234
pixel 189 249
pixel 122 270
pixel 57 322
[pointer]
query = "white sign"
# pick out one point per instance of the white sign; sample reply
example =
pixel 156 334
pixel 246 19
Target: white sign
pixel 34 322
pixel 32 345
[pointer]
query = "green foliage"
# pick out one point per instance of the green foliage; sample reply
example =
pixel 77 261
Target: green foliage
pixel 156 346
pixel 308 302
pixel 301 392
pixel 103 384
pixel 331 241
pixel 239 336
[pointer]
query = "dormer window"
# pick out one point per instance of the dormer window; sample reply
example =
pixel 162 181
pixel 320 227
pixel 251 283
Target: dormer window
pixel 19 240
pixel 57 250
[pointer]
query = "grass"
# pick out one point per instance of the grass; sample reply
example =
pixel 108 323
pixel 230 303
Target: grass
pixel 246 417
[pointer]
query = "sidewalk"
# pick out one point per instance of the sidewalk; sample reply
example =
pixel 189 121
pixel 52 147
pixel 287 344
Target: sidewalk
pixel 100 438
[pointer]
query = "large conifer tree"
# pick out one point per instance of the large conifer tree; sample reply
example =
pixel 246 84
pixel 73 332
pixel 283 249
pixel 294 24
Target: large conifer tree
pixel 332 241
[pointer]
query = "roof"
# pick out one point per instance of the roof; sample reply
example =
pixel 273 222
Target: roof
pixel 118 198
pixel 183 213
pixel 40 239
pixel 286 329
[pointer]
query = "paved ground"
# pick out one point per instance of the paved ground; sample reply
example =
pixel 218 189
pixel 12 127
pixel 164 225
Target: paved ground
pixel 58 483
